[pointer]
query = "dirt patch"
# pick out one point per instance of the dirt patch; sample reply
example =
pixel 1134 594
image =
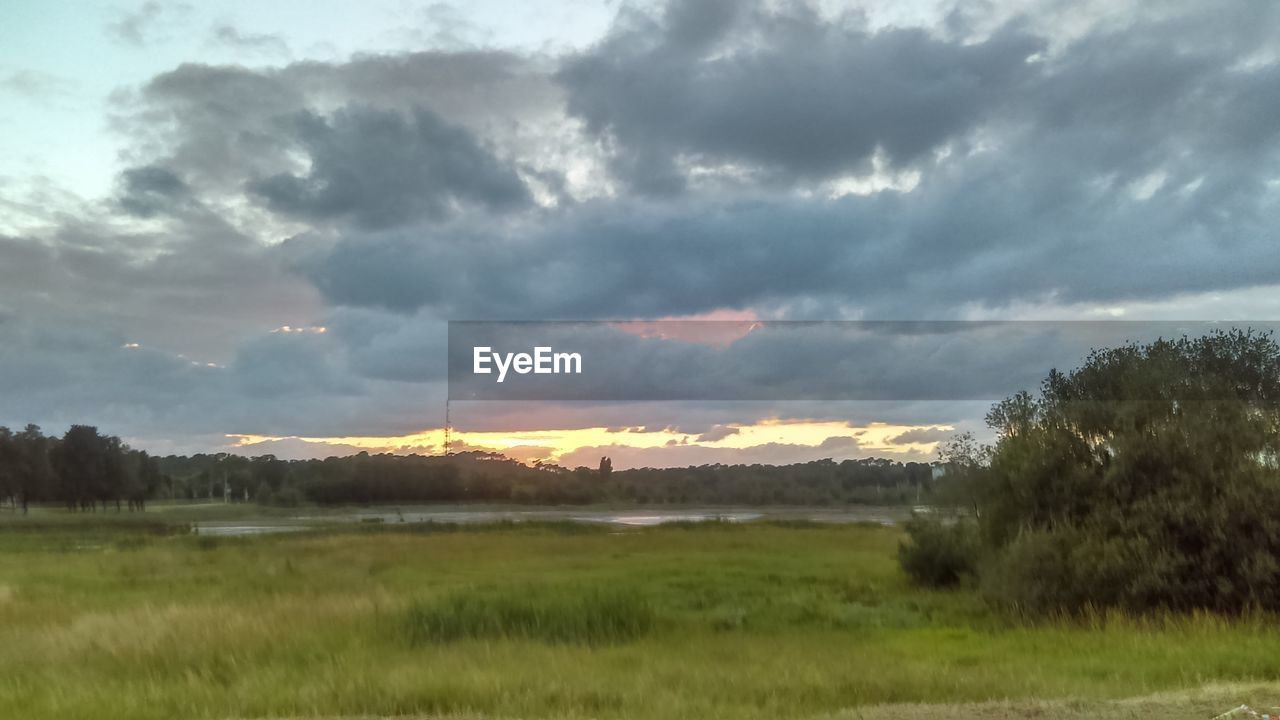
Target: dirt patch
pixel 1200 704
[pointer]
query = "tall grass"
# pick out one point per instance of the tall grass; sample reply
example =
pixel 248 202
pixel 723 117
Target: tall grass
pixel 586 616
pixel 734 622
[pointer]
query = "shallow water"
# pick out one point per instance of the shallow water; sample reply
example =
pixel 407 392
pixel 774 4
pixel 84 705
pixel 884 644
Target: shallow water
pixel 650 519
pixel 631 518
pixel 219 530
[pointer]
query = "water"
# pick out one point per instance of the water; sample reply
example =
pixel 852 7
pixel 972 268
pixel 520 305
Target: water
pixel 649 519
pixel 625 518
pixel 219 530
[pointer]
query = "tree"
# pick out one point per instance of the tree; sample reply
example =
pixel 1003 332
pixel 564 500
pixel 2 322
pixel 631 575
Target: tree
pixel 93 468
pixel 1147 478
pixel 606 468
pixel 78 463
pixel 963 461
pixel 8 465
pixel 34 471
pixel 119 475
pixel 144 480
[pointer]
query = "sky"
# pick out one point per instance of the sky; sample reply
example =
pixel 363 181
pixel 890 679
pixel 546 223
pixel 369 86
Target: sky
pixel 244 226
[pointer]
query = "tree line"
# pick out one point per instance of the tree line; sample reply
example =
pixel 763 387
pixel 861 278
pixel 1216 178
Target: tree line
pixel 489 477
pixel 83 470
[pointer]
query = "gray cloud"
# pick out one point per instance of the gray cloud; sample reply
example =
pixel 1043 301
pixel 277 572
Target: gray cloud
pixel 231 37
pixel 222 125
pixel 717 433
pixel 278 384
pixel 391 346
pixel 991 232
pixel 784 91
pixel 682 165
pixel 1142 147
pixel 382 170
pixel 138 26
pixel 190 283
pixel 149 190
pixel 35 84
pixel 923 435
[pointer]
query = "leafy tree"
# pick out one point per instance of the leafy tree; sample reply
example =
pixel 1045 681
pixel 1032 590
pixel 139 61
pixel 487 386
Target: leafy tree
pixel 34 475
pixel 1147 478
pixel 8 464
pixel 80 464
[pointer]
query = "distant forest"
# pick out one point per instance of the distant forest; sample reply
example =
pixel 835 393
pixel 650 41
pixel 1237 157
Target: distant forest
pixel 85 470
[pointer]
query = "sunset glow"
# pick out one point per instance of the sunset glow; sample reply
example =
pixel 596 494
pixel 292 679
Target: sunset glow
pixel 555 445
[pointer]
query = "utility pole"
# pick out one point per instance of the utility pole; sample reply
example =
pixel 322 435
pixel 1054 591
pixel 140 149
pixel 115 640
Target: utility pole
pixel 446 427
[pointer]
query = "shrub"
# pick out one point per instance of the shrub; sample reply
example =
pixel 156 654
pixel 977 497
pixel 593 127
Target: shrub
pixel 589 616
pixel 1033 575
pixel 942 552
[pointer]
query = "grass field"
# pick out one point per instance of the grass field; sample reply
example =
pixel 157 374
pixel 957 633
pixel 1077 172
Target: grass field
pixel 106 618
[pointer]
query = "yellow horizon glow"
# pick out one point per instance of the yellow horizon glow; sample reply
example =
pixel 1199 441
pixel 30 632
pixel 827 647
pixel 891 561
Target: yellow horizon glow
pixel 872 437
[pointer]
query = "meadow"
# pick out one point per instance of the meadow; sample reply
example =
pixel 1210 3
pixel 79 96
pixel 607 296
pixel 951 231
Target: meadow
pixel 133 617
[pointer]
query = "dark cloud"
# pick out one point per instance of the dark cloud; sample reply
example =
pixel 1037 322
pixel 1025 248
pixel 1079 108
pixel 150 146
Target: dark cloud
pixel 382 169
pixel 786 93
pixel 222 125
pixel 149 190
pixel 1142 148
pixel 999 229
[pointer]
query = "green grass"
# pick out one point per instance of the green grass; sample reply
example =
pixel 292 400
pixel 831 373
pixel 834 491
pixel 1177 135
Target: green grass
pixel 137 619
pixel 589 615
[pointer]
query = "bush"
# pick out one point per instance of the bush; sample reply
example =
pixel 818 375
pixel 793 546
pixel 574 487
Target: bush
pixel 1145 480
pixel 590 616
pixel 942 552
pixel 1033 575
